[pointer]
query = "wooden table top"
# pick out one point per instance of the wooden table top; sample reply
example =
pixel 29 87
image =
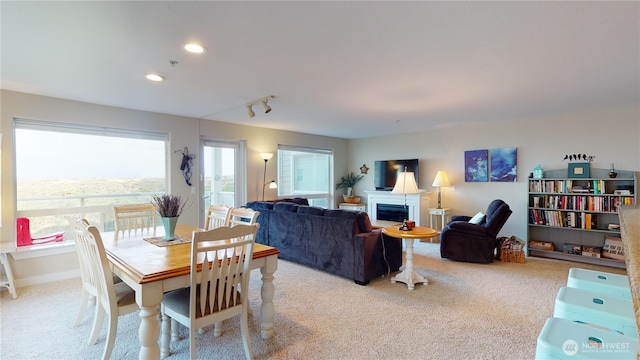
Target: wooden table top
pixel 418 232
pixel 146 262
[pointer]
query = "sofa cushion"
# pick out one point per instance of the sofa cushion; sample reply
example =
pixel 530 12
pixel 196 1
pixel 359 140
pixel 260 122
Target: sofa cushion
pixel 311 210
pixel 285 207
pixel 259 205
pixel 364 222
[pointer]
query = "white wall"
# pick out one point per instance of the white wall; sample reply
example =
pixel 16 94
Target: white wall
pixel 611 135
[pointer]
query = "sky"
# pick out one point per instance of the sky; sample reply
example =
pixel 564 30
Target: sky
pixel 47 155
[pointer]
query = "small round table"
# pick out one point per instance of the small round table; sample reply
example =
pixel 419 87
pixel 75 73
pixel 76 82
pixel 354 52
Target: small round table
pixel 408 275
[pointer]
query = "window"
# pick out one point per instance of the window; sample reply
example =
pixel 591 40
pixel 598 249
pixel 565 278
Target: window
pixel 223 167
pixel 305 172
pixel 64 169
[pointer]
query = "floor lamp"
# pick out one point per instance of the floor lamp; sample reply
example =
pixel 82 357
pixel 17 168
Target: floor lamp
pixel 405 184
pixel 441 181
pixel 272 184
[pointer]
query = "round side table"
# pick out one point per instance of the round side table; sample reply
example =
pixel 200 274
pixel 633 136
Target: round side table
pixel 408 275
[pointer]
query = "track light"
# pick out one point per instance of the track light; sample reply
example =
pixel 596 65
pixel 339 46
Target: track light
pixel 267 108
pixel 263 102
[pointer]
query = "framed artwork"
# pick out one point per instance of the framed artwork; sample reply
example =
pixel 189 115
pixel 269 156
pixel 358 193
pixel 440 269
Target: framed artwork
pixel 475 166
pixel 578 170
pixel 503 164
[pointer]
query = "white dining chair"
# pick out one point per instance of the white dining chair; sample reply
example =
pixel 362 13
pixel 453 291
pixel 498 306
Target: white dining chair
pixel 217 215
pixel 243 216
pixel 219 291
pixel 133 218
pixel 112 299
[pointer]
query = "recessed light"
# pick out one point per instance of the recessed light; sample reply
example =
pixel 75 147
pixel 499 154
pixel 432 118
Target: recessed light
pixel 156 77
pixel 195 48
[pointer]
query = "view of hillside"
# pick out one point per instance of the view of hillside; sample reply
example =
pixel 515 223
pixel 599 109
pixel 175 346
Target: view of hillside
pixel 72 193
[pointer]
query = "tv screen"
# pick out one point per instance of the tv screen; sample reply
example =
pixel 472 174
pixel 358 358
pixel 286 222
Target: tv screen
pixel 385 172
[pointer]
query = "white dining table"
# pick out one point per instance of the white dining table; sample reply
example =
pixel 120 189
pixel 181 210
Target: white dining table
pixel 152 270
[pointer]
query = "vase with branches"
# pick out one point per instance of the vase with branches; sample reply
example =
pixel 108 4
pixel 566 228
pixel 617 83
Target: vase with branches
pixel 169 207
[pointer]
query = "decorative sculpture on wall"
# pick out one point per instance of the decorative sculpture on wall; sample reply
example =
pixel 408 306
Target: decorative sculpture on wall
pixel 185 165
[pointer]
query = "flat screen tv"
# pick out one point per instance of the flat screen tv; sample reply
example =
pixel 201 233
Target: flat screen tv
pixel 386 172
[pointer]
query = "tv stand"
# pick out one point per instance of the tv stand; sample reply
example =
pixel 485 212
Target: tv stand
pixel 417 204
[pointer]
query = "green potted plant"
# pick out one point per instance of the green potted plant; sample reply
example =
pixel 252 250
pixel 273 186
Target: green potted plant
pixel 347 182
pixel 169 207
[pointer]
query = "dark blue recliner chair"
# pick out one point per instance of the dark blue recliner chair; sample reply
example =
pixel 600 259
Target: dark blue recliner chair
pixel 461 240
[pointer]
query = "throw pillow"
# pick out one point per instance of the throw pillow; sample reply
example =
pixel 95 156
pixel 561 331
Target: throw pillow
pixel 477 218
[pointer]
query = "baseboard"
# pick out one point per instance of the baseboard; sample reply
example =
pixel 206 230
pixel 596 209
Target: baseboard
pixel 47 278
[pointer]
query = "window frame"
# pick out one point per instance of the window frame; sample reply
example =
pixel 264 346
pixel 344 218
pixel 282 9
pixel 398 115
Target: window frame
pixel 78 129
pixel 314 198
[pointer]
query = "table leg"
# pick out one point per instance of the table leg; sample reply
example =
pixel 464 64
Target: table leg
pixel 267 292
pixel 149 332
pixel 9 283
pixel 408 275
pixel 165 334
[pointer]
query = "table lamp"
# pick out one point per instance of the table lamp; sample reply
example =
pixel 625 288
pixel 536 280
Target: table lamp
pixel 405 184
pixel 440 181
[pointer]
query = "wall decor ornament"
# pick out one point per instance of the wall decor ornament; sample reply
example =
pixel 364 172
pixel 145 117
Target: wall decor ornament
pixel 186 163
pixel 503 164
pixel 475 166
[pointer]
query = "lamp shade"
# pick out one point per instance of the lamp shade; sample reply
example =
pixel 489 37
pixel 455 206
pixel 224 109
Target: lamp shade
pixel 405 184
pixel 441 180
pixel 266 156
pixel 273 185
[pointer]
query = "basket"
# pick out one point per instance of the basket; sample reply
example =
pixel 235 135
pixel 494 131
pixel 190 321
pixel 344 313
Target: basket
pixel 512 256
pixel 351 199
pixel 511 250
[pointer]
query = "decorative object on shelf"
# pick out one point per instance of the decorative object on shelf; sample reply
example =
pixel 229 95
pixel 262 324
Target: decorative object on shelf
pixel 579 170
pixel 612 171
pixel 169 207
pixel 185 165
pixel 441 181
pixel 347 182
pixel 364 169
pixel 475 166
pixel 351 199
pixel 272 184
pixel 538 172
pixel 504 164
pixel 405 184
pixel 576 157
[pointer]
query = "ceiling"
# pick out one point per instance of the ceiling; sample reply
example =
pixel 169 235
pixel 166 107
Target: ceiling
pixel 343 69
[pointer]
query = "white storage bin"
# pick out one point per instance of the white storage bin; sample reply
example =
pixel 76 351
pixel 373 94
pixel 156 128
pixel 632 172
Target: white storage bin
pixel 565 339
pixel 599 281
pixel 611 312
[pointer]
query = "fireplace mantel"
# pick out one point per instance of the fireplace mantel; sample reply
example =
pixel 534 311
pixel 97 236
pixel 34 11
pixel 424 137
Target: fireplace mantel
pixel 418 204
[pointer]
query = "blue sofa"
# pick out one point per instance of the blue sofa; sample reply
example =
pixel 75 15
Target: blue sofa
pixel 340 242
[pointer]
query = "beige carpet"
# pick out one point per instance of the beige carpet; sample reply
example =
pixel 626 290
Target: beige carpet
pixel 468 311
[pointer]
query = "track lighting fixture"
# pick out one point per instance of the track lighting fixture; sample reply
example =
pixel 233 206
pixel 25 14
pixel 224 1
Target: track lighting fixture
pixel 263 102
pixel 266 107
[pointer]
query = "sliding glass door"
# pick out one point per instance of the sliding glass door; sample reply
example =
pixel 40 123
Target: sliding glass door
pixel 223 174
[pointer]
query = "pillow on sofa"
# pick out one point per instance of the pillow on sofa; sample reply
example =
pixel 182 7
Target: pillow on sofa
pixel 478 218
pixel 285 207
pixel 312 210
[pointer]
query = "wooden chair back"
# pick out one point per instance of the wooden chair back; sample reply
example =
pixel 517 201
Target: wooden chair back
pixel 243 216
pixel 133 218
pixel 217 215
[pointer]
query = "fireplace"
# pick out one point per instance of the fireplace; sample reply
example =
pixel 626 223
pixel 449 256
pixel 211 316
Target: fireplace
pixel 389 207
pixel 392 212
